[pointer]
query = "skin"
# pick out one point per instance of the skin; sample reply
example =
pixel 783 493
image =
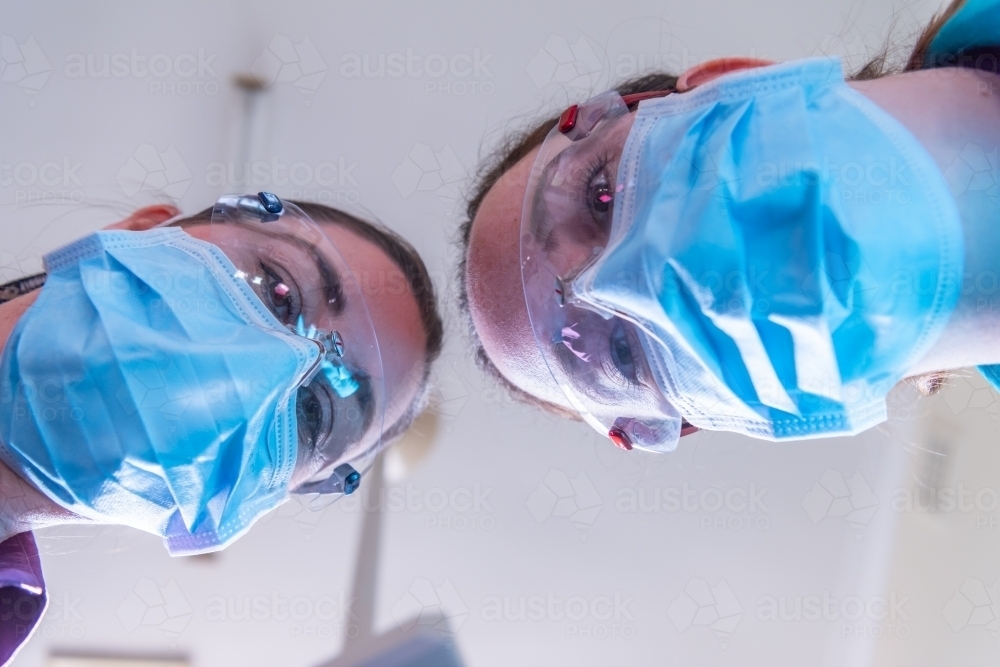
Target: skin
pixel 394 314
pixel 966 110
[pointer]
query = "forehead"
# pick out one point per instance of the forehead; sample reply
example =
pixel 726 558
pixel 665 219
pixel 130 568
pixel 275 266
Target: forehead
pixel 493 282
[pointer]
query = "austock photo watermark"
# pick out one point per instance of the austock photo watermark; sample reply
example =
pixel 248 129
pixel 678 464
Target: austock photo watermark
pixel 974 606
pixel 154 170
pixel 838 497
pixel 974 172
pixel 872 617
pixel 850 498
pixel 304 616
pixel 163 609
pixel 979 504
pixel 23 64
pixel 285 61
pixel 582 64
pixel 749 291
pixel 602 616
pixel 330 182
pixel 64 618
pixel 455 74
pixel 428 604
pixel 181 74
pixel 873 182
pixel 971 393
pixel 53 181
pixel 702 606
pixel 153 606
pixel 715 607
pixel 425 169
pixel 146 388
pixel 457 509
pixel 735 508
pixel 559 496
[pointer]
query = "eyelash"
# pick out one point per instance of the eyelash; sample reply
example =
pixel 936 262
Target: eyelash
pixel 319 394
pixel 611 368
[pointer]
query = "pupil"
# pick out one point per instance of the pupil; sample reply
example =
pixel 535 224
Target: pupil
pixel 280 299
pixel 602 199
pixel 309 411
pixel 623 351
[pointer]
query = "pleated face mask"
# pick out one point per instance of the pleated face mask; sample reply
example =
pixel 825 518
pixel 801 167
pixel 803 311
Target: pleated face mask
pixel 172 385
pixel 767 254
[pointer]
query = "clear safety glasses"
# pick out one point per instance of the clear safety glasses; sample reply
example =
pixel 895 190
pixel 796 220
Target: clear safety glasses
pixel 597 357
pixel 299 275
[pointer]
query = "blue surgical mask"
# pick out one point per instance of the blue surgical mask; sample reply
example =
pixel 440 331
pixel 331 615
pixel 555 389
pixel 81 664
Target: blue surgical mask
pixel 781 252
pixel 148 386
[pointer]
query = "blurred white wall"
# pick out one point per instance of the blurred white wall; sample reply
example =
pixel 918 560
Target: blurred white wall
pixel 730 545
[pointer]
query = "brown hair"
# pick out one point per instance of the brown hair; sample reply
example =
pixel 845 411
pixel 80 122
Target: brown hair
pixel 514 147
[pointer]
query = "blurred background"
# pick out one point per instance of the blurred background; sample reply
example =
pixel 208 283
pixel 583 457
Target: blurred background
pixel 499 535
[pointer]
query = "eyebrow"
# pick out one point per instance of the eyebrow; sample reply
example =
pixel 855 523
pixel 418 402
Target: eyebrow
pixel 538 204
pixel 333 286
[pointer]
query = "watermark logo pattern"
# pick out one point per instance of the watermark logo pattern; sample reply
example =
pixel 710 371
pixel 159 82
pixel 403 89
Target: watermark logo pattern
pixel 833 496
pixel 974 170
pixel 974 605
pixel 962 395
pixel 305 518
pixel 714 607
pixel 163 607
pixel 450 393
pixel 149 389
pixel 23 64
pixel 426 604
pixel 152 171
pixel 427 170
pixel 559 496
pixel 284 62
pixel 574 65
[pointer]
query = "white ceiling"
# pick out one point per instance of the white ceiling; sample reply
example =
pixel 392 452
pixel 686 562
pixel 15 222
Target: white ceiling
pixel 408 144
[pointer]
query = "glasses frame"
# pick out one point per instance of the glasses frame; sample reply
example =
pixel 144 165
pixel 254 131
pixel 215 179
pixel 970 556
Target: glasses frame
pixel 576 122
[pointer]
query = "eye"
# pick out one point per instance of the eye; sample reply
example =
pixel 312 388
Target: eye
pixel 621 354
pixel 280 295
pixel 600 195
pixel 313 414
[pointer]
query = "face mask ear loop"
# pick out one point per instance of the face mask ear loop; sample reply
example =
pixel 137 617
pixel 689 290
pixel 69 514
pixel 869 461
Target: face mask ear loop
pixel 632 101
pixel 172 222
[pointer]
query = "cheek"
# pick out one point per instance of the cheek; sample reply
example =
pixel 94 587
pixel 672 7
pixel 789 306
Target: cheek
pixel 401 342
pixel 575 252
pixel 402 351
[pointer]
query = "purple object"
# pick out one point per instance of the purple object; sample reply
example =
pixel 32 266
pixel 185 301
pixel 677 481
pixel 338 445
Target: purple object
pixel 22 593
